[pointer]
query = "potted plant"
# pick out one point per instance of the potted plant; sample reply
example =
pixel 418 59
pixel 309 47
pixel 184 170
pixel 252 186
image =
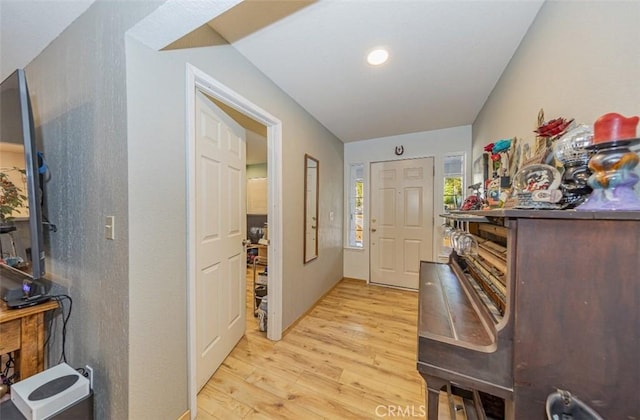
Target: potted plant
pixel 11 199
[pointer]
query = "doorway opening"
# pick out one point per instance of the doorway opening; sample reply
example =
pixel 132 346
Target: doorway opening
pixel 197 80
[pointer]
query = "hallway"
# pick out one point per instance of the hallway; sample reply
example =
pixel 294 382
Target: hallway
pixel 352 356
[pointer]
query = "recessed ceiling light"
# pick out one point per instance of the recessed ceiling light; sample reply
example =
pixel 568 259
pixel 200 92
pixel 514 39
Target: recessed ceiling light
pixel 377 56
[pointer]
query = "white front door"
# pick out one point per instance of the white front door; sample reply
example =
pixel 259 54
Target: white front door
pixel 401 220
pixel 220 201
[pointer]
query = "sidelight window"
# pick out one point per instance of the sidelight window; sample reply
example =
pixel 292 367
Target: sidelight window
pixel 453 182
pixel 356 206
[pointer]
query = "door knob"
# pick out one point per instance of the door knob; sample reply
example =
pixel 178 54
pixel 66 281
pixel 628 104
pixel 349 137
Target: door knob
pixel 373 229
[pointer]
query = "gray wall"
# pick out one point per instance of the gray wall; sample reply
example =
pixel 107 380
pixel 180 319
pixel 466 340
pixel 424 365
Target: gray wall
pixel 156 83
pixel 79 97
pixel 578 60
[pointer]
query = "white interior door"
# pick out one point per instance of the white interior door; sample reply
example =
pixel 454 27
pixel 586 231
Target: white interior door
pixel 220 229
pixel 401 220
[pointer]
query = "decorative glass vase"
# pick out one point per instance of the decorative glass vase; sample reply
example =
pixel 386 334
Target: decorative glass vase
pixel 571 150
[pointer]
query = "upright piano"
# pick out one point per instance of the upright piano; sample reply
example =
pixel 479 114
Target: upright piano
pixel 550 302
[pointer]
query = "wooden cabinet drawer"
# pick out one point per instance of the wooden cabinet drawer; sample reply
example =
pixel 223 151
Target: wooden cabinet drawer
pixel 9 336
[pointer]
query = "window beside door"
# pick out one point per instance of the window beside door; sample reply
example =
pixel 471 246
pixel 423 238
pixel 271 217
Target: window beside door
pixel 355 233
pixel 453 193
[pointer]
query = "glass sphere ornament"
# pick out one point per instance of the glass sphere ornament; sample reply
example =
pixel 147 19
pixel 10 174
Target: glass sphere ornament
pixel 571 147
pixel 572 150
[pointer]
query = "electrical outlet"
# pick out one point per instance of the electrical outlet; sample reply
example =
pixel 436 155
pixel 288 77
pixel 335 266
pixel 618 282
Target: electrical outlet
pixel 89 371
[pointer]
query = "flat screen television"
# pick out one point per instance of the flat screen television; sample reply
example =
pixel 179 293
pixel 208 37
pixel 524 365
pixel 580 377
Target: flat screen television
pixel 21 236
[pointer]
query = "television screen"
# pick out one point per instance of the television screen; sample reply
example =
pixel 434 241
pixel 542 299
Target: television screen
pixel 21 240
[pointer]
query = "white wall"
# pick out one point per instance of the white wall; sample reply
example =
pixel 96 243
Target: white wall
pixel 156 83
pixel 437 143
pixel 578 60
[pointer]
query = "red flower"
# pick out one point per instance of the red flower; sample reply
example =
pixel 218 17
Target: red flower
pixel 553 127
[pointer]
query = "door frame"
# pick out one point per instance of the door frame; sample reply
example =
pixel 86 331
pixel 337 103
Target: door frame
pixel 197 79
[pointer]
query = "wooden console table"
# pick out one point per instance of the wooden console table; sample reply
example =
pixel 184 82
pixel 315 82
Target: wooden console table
pixel 22 331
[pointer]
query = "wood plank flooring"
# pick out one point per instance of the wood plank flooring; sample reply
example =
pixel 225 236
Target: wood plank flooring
pixel 353 356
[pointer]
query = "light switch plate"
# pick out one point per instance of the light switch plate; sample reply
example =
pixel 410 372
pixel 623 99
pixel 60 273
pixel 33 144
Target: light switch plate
pixel 110 227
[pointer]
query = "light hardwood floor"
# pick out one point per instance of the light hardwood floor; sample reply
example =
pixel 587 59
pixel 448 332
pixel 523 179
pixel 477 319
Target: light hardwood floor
pixel 353 356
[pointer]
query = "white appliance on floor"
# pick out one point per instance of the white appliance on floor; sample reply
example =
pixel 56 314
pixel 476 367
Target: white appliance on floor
pixel 42 395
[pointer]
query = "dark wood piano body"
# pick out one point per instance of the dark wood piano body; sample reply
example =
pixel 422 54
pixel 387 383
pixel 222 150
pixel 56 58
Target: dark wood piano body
pixel 571 322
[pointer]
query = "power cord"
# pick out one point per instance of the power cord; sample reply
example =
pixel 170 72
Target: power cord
pixel 9 366
pixel 65 319
pixel 83 372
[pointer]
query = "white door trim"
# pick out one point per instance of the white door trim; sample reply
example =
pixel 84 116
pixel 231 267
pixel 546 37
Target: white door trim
pixel 197 79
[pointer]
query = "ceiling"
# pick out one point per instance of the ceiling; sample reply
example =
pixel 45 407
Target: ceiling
pixel 445 55
pixel 28 26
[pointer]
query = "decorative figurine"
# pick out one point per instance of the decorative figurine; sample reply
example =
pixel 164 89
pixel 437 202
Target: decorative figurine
pixel 473 201
pixel 612 165
pixel 536 187
pixel 571 151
